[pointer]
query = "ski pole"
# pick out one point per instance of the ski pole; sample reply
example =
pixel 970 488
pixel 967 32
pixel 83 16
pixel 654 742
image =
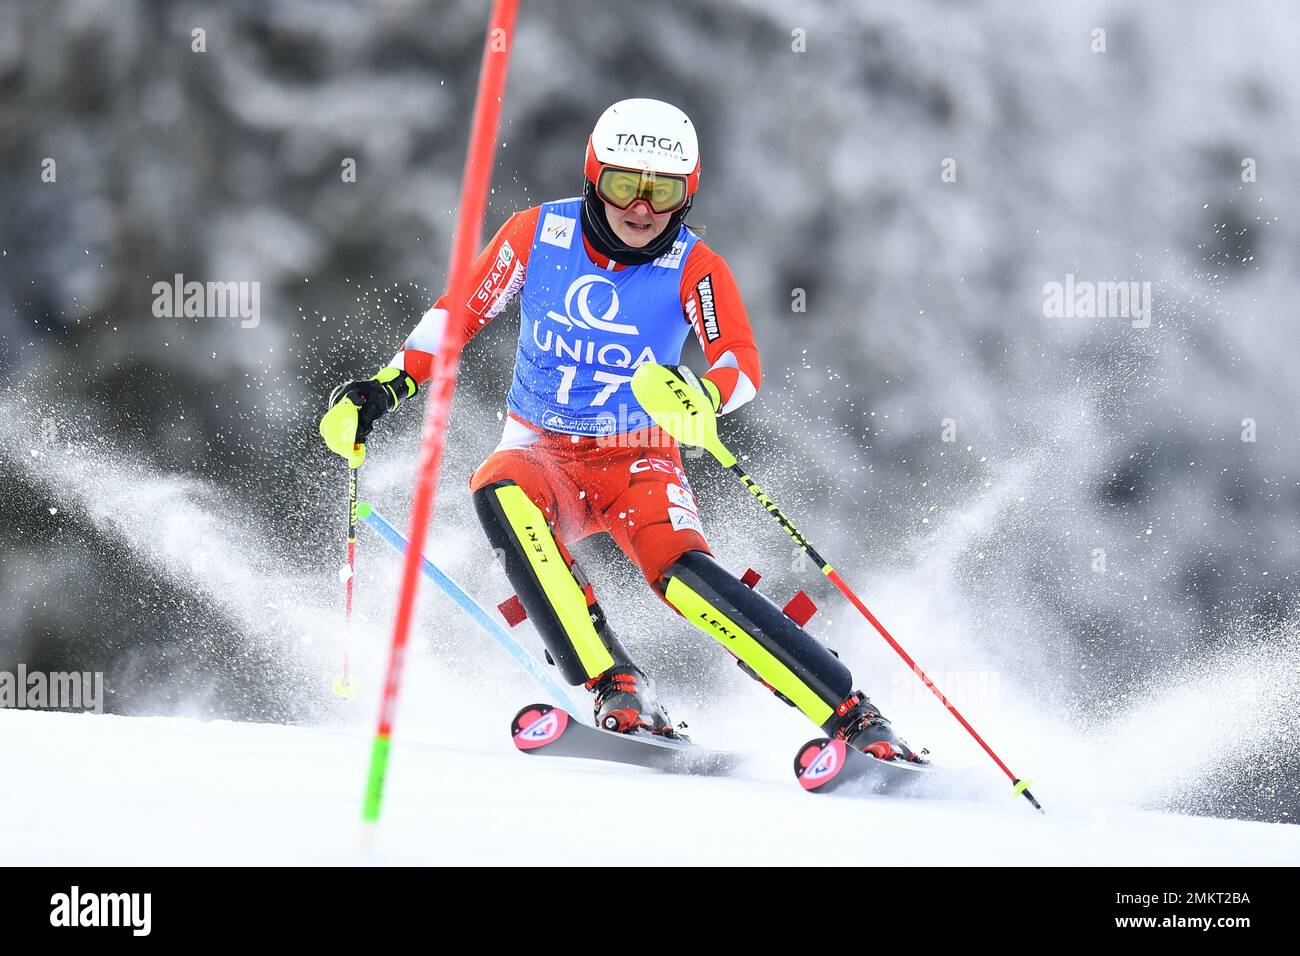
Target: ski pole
pixel 658 387
pixel 480 615
pixel 343 686
pixel 1020 786
pixel 469 227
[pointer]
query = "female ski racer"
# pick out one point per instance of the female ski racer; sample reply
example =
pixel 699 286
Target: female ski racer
pixel 608 281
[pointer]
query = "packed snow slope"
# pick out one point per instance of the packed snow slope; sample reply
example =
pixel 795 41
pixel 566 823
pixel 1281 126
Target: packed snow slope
pixel 94 790
pixel 261 619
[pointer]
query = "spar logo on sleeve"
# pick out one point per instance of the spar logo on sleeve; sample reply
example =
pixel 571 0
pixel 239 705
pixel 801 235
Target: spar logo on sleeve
pixel 496 290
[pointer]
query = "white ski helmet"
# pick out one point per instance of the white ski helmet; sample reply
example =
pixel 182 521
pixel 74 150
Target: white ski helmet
pixel 650 136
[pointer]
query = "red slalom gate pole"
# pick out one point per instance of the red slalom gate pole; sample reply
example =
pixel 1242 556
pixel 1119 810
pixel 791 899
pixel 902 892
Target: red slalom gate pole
pixel 469 226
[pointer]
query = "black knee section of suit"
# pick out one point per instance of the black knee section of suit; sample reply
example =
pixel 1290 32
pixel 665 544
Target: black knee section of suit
pixel 504 540
pixel 766 623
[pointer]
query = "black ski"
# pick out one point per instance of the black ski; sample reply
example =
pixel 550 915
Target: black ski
pixel 825 766
pixel 548 730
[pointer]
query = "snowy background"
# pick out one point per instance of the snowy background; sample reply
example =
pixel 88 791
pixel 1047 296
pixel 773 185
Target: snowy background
pixel 171 518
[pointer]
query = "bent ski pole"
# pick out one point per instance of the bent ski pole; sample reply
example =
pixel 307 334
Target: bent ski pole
pixel 662 390
pixel 481 616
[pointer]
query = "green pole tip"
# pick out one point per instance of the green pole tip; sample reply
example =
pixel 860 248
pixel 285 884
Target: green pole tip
pixel 375 779
pixel 363 510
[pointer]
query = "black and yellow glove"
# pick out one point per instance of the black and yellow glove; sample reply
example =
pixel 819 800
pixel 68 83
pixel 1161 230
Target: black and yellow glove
pixel 699 383
pixel 356 406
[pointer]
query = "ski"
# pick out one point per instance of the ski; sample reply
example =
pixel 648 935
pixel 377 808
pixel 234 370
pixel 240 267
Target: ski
pixel 550 731
pixel 826 766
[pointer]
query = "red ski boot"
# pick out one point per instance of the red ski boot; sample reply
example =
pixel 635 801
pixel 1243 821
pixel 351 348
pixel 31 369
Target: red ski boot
pixel 625 703
pixel 861 726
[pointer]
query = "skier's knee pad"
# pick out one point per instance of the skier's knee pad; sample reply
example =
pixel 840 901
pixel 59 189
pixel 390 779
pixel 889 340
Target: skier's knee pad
pixel 572 628
pixel 768 644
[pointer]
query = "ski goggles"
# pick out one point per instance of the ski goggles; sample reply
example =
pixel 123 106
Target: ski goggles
pixel 622 187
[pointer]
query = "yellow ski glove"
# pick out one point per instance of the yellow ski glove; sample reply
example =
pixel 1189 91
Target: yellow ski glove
pixel 681 403
pixel 356 406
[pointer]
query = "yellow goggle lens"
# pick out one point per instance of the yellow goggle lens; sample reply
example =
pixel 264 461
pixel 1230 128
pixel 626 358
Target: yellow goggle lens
pixel 622 187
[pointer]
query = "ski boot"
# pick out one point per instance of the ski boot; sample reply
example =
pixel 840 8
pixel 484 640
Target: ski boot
pixel 860 725
pixel 625 703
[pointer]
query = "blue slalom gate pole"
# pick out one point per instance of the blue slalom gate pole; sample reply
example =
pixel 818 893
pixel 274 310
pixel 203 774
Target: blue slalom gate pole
pixel 481 616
